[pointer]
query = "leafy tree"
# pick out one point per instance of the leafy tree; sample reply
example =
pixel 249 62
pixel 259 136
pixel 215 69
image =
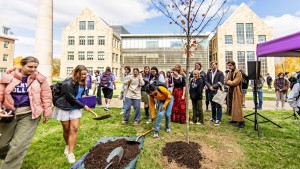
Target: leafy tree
pixel 192 17
pixel 56 67
pixel 17 61
pixel 287 64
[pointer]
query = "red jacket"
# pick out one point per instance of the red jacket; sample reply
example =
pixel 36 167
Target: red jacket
pixel 40 95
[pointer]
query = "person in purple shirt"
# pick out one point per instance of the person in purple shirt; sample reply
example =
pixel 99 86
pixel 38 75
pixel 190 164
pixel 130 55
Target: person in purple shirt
pixel 88 83
pixel 108 84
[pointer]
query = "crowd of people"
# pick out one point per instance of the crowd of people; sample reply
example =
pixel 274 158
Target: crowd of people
pixel 26 92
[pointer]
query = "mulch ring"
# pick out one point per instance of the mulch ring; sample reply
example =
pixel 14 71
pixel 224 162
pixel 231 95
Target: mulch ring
pixel 183 154
pixel 97 155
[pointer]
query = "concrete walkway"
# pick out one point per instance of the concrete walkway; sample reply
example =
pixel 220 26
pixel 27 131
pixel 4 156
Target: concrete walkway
pixel 267 105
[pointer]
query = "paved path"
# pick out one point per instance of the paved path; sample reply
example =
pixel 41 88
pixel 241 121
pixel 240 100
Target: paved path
pixel 267 105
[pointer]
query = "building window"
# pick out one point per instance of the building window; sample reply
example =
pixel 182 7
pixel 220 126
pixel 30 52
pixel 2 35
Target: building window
pixel 250 56
pixel 81 55
pixel 261 38
pixel 101 55
pixel 101 40
pixel 71 40
pixel 90 56
pixel 90 40
pixel 151 44
pixel 263 66
pixel 117 72
pixel 2 71
pixel 82 25
pixel 228 57
pixel 113 57
pixel 5 30
pixel 90 69
pixel 70 55
pixel 5 57
pixel 101 69
pixel 240 33
pixel 6 44
pixel 249 33
pixel 228 39
pixel 117 58
pixel 69 71
pixel 241 60
pixel 81 40
pixel 90 25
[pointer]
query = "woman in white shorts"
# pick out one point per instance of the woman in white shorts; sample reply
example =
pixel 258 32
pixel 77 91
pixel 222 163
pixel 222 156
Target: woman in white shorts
pixel 68 109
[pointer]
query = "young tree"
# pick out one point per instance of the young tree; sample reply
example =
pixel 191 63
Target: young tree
pixel 192 17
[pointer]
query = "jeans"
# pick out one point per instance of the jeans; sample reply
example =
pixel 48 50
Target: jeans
pixel 136 106
pixel 161 113
pixel 87 92
pixel 124 104
pixel 260 99
pixel 216 109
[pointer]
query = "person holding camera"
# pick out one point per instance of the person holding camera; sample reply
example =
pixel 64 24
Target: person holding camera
pixel 26 92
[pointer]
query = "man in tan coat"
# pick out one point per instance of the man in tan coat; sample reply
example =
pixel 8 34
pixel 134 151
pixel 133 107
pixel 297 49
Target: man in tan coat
pixel 235 95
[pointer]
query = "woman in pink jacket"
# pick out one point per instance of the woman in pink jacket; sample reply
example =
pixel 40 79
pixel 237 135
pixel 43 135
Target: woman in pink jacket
pixel 26 91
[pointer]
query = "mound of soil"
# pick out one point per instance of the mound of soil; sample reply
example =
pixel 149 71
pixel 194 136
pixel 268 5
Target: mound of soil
pixel 96 159
pixel 183 153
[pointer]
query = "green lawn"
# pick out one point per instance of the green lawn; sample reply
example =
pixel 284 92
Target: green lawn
pixel 224 146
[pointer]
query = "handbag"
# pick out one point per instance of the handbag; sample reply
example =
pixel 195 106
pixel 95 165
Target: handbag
pixel 220 96
pixel 12 112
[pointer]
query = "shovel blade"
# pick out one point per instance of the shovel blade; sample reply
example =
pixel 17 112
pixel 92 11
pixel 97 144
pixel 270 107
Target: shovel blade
pixel 102 117
pixel 119 151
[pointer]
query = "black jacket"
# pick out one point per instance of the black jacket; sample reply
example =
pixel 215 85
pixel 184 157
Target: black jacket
pixel 219 77
pixel 68 99
pixel 196 88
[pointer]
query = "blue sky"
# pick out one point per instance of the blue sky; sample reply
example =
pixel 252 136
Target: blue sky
pixel 137 16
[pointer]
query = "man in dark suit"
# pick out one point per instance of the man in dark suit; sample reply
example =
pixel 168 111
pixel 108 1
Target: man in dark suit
pixel 214 80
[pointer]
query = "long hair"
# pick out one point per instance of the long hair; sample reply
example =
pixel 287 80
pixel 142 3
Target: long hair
pixel 76 75
pixel 156 75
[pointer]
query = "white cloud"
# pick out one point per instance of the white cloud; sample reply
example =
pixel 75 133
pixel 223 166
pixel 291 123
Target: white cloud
pixel 285 24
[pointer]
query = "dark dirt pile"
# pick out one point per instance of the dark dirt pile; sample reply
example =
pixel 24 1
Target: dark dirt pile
pixel 183 153
pixel 96 159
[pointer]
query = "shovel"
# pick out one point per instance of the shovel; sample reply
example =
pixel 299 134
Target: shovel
pixel 99 117
pixel 136 140
pixel 119 151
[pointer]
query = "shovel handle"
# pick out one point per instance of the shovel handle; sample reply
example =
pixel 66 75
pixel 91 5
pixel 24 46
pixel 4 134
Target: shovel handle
pixel 143 134
pixel 91 111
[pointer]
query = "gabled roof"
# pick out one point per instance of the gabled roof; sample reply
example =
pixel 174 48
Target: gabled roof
pixel 242 8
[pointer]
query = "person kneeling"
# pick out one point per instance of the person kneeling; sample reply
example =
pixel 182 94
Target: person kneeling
pixel 164 103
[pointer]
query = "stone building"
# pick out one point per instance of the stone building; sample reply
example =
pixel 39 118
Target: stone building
pixel 236 40
pixel 90 41
pixel 7 48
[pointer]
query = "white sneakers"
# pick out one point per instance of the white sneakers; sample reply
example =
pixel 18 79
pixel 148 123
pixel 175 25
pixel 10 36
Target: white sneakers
pixel 168 130
pixel 70 157
pixel 149 121
pixel 66 152
pixel 121 112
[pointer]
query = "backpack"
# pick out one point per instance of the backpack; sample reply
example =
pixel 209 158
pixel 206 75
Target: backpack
pixel 105 80
pixel 269 79
pixel 56 91
pixel 245 81
pixel 157 84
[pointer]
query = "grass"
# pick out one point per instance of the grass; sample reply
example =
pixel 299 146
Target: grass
pixel 277 147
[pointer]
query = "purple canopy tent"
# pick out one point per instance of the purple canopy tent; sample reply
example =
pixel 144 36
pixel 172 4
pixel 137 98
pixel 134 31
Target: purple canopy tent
pixel 286 46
